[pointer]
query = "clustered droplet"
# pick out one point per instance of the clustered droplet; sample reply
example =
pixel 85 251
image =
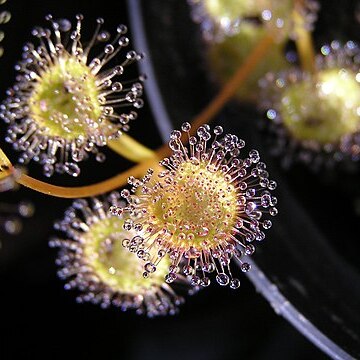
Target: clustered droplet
pixel 65 103
pixel 11 215
pixel 5 17
pixel 93 260
pixel 315 118
pixel 204 209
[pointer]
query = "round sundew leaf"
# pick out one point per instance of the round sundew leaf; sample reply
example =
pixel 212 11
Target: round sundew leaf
pixel 104 252
pixel 93 260
pixel 324 108
pixel 64 97
pixel 200 205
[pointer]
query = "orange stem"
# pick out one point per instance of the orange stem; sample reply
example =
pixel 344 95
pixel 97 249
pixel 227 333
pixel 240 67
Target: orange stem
pixel 229 89
pixel 85 191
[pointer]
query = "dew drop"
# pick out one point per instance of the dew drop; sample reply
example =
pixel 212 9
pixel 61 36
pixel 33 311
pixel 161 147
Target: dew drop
pixel 188 270
pixel 222 279
pixel 218 130
pixel 205 281
pixel 249 249
pixel 116 86
pixel 171 277
pixel 103 36
pixel 63 25
pixel 100 157
pixel 150 267
pixel 195 280
pixel 245 267
pixel 234 283
pixel 185 127
pixel 109 49
pixel 267 224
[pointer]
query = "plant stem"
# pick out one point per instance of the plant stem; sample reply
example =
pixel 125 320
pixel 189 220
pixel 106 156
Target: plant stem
pixel 130 149
pixel 89 190
pixel 303 39
pixel 230 88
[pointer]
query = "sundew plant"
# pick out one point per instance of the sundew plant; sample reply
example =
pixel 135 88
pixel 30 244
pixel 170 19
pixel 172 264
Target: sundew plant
pixel 159 230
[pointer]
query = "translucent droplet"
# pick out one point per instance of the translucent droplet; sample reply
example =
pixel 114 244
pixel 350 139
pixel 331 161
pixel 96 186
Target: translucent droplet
pixel 234 283
pixel 175 134
pixel 122 29
pixel 267 224
pixel 222 279
pixel 123 41
pixel 195 280
pixel 26 209
pixel 139 103
pixel 109 49
pixel 100 157
pixel 203 232
pixel 171 277
pixel 64 25
pixel 103 36
pixel 72 169
pixel 250 207
pixel 249 249
pixel 116 86
pixel 245 267
pixel 218 130
pixel 185 127
pixel 150 267
pixel 205 281
pixel 13 226
pixel 188 270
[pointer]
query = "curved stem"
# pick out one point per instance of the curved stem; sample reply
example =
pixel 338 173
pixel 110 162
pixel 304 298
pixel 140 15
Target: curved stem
pixel 225 94
pixel 130 149
pixel 89 190
pixel 230 88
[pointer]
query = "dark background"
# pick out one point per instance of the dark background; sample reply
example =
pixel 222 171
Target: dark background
pixel 39 319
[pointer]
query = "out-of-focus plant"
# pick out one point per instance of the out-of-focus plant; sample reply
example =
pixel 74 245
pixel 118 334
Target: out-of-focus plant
pixel 231 28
